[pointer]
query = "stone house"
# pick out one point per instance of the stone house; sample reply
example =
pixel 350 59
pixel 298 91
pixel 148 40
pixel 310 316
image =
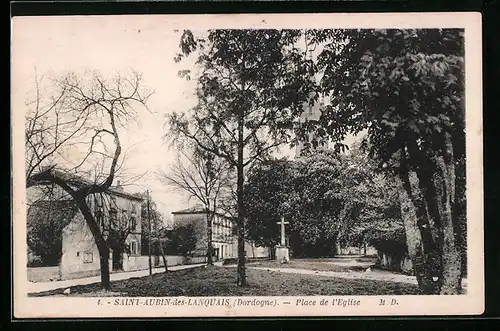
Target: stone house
pixel 118 214
pixel 224 239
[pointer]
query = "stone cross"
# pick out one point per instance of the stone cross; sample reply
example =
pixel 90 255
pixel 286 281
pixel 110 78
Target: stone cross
pixel 282 223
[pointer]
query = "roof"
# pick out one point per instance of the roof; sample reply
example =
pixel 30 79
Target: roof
pixel 134 196
pixel 191 210
pixel 194 211
pixel 76 180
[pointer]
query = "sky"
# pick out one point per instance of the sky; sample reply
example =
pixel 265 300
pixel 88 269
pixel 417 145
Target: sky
pixel 147 44
pixel 53 46
pixel 58 45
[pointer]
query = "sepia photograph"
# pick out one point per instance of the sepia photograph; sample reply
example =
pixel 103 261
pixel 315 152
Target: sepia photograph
pixel 247 165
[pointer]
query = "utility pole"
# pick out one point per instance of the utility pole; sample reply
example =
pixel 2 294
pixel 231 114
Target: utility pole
pixel 149 231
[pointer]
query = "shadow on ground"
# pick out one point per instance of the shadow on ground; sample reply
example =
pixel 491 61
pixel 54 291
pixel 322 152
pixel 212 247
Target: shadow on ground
pixel 220 281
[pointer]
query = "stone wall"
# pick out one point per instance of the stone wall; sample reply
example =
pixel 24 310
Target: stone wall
pixel 80 256
pixel 44 274
pixel 174 260
pixel 252 251
pixel 352 250
pixel 133 263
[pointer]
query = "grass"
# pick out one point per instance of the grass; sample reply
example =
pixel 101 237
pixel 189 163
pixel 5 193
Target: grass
pixel 315 264
pixel 220 281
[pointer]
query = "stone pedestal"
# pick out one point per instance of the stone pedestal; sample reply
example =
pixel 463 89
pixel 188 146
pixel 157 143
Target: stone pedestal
pixel 282 253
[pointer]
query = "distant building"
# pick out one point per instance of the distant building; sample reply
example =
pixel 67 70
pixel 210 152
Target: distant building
pixel 224 239
pixel 116 211
pixel 311 112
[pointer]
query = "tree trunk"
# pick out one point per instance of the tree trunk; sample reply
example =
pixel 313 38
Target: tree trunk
pixel 414 243
pixel 421 247
pixel 210 217
pixel 99 240
pixel 451 255
pixel 427 186
pixel 104 262
pixel 241 280
pixel 162 253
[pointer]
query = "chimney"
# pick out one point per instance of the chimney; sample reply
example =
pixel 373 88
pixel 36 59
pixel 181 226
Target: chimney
pixel 119 186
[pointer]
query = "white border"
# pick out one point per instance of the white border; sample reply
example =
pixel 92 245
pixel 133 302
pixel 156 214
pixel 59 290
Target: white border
pixel 472 303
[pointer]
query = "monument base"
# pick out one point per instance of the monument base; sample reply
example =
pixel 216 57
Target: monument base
pixel 282 253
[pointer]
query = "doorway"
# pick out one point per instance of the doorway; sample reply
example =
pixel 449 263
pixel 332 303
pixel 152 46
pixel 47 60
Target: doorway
pixel 117 260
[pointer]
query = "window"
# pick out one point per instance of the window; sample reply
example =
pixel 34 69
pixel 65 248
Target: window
pixel 133 247
pixel 133 223
pixel 112 214
pixel 77 254
pixel 88 257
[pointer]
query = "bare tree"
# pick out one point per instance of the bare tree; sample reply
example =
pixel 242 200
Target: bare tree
pixel 204 177
pixel 77 130
pixel 158 227
pixel 153 236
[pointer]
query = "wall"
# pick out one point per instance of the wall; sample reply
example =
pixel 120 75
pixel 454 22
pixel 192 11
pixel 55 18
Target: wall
pixel 80 257
pixel 133 263
pixel 222 234
pixel 351 250
pixel 172 260
pixel 252 251
pixel 43 274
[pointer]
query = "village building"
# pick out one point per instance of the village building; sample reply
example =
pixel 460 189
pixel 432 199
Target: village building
pixel 224 239
pixel 117 212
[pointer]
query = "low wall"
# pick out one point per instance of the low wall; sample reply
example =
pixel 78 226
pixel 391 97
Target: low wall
pixel 131 263
pixel 198 259
pixel 134 263
pixel 173 260
pixel 43 274
pixel 82 274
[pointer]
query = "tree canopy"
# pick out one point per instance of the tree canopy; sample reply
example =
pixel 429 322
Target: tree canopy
pixel 405 88
pixel 327 198
pixel 251 87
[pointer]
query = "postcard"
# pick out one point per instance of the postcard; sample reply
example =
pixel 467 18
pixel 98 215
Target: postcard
pixel 247 165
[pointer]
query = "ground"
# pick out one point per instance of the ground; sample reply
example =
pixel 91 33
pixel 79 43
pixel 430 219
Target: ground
pixel 221 281
pixel 326 264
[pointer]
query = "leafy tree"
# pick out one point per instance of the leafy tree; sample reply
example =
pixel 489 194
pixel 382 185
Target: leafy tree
pixel 372 206
pixel 406 89
pixel 318 204
pixel 266 192
pixel 305 193
pixel 184 238
pixel 327 197
pixel 250 89
pixel 45 223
